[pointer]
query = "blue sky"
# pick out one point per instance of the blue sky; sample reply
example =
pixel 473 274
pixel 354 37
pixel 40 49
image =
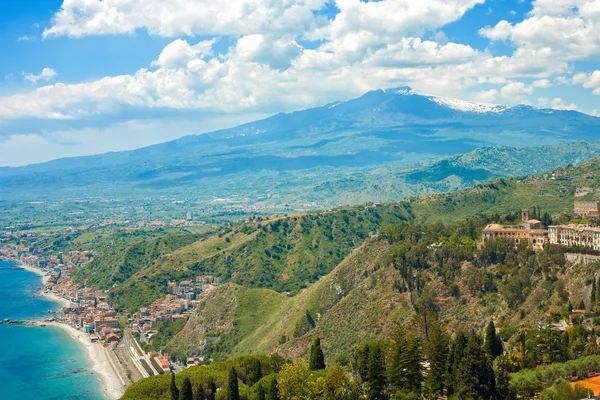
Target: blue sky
pixel 87 76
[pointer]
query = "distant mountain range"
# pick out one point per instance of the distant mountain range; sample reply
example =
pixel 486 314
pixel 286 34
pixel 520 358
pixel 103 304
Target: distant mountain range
pixel 282 158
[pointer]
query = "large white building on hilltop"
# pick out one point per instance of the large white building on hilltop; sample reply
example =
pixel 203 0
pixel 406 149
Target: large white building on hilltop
pixel 575 236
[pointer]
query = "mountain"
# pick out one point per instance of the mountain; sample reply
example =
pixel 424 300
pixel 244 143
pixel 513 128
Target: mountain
pixel 268 163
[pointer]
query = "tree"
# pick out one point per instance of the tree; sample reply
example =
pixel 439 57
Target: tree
pixel 272 392
pixel 260 392
pixel 493 343
pixel 233 391
pixel 455 357
pixel 375 374
pixel 254 371
pixel 475 378
pixel 293 382
pixel 200 393
pixel 211 391
pixel 173 388
pixel 593 294
pixel 437 354
pixel 581 305
pixel 592 347
pixel 317 359
pixel 186 392
pixel 405 373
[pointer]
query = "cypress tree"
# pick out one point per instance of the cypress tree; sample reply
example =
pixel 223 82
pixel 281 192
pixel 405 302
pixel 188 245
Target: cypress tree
pixel 317 359
pixel 581 305
pixel 475 378
pixel 254 372
pixel 455 356
pixel 597 299
pixel 233 391
pixel 493 344
pixel 437 354
pixel 211 391
pixel 173 388
pixel 593 295
pixel 200 394
pixel 375 374
pixel 260 393
pixel 186 392
pixel 272 392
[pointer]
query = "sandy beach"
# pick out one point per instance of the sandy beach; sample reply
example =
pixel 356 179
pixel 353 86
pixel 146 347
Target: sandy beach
pixel 113 385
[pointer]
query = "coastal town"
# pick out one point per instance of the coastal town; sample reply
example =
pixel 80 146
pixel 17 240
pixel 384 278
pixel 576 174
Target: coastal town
pixel 114 341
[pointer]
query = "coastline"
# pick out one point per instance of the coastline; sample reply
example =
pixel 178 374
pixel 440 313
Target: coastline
pixel 112 383
pixel 48 295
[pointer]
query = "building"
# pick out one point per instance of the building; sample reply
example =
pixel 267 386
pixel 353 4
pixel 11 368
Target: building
pixel 529 229
pixel 108 322
pixel 581 208
pixel 575 236
pixel 537 237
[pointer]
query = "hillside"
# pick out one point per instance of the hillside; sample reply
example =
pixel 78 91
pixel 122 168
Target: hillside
pixel 289 253
pixel 340 274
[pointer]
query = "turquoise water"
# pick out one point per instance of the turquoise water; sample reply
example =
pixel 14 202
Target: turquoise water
pixel 38 362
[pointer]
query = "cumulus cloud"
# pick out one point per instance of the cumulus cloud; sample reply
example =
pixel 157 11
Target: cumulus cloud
pixel 516 92
pixel 542 83
pixel 555 30
pixel 184 17
pixel 589 81
pixel 560 104
pixel 179 52
pixel 47 74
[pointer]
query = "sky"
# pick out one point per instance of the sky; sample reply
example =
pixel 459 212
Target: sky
pixel 82 77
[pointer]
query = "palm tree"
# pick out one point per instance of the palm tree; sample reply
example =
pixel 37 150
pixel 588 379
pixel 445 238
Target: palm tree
pixel 592 347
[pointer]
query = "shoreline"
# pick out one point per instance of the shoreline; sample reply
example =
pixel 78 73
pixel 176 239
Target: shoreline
pixel 113 385
pixel 46 294
pixel 101 365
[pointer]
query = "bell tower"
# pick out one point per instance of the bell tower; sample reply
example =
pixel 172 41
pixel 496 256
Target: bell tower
pixel 524 215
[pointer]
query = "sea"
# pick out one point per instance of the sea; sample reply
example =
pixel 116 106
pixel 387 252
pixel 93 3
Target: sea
pixel 39 363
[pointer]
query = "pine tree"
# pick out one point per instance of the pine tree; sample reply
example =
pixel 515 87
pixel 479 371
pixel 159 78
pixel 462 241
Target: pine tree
pixel 317 359
pixel 405 372
pixel 493 344
pixel 437 355
pixel 173 388
pixel 375 374
pixel 186 392
pixel 200 393
pixel 272 392
pixel 233 391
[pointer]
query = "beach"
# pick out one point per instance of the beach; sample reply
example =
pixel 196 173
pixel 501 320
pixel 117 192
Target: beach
pixel 113 385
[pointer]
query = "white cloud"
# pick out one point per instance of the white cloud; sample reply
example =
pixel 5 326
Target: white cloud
pixel 487 96
pixel 47 74
pixel 560 30
pixel 559 104
pixel 542 101
pixel 183 17
pixel 179 52
pixel 25 38
pixel 595 113
pixel 542 83
pixel 588 81
pixel 516 92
